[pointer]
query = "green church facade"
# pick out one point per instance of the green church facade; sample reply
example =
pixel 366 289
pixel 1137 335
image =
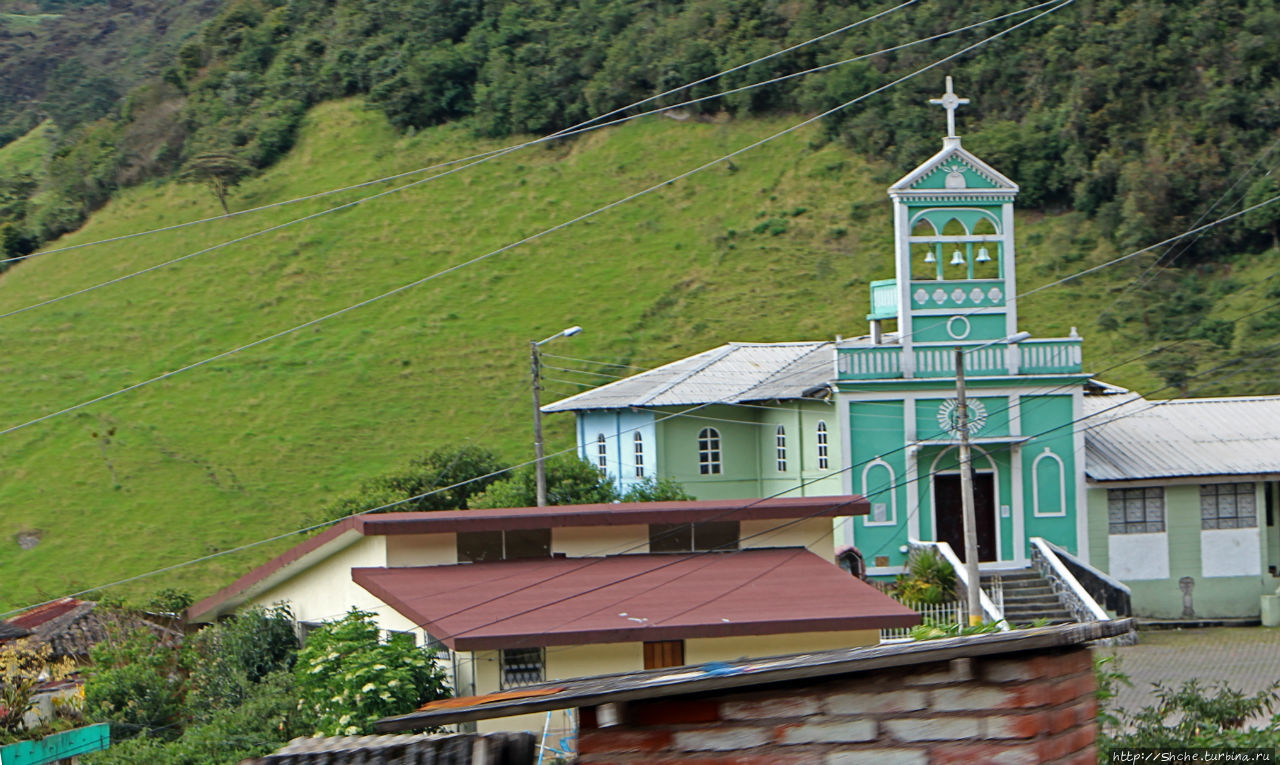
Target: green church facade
pixel 1122 483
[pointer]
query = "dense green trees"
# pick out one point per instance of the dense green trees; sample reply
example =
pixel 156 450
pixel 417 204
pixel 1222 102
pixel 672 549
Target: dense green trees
pixel 1136 112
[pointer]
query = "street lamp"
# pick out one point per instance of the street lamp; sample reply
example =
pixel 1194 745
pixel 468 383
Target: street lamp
pixel 966 478
pixel 535 362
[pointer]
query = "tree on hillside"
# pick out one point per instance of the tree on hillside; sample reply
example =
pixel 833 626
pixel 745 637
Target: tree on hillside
pixel 348 678
pixel 1265 218
pixel 219 171
pixel 572 481
pixel 24 665
pixel 458 472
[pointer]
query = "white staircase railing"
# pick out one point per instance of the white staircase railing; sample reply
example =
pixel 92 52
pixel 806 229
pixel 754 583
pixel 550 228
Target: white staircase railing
pixel 990 611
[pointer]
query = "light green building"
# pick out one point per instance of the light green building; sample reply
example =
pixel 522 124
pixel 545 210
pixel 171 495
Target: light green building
pixel 1079 463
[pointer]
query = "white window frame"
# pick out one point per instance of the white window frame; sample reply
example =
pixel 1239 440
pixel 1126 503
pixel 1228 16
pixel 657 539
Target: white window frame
pixel 710 457
pixel 602 453
pixel 780 442
pixel 1048 454
pixel 638 453
pixel 892 518
pixel 824 461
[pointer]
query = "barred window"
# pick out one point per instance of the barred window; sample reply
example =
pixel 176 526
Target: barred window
pixel 522 666
pixel 709 451
pixel 1135 511
pixel 639 453
pixel 1228 506
pixel 780 440
pixel 602 453
pixel 823 461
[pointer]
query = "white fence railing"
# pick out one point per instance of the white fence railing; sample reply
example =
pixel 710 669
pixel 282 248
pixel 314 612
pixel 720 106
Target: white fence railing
pixel 940 614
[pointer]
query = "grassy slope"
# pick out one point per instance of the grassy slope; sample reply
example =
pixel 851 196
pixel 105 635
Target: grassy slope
pixel 27 155
pixel 247 446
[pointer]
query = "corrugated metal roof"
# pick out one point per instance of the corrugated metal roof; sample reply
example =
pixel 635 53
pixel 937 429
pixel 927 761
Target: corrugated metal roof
pixel 1133 438
pixel 732 373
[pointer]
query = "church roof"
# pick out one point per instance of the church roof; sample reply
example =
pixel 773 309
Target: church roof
pixel 953 155
pixel 731 373
pixel 1132 438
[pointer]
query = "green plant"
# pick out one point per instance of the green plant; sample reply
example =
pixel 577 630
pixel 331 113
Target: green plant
pixel 1190 715
pixel 937 631
pixel 570 481
pixel 24 665
pixel 929 579
pixel 347 678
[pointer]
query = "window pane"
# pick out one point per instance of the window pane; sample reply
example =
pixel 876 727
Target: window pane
pixel 1208 523
pixel 1134 510
pixel 670 537
pixel 716 535
pixel 1115 514
pixel 1155 513
pixel 528 543
pixel 521 666
pixel 477 546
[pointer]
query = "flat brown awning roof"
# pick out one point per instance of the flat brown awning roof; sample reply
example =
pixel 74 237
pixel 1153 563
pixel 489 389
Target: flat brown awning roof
pixel 623 598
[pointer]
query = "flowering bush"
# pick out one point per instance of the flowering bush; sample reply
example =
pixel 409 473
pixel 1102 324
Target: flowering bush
pixel 348 678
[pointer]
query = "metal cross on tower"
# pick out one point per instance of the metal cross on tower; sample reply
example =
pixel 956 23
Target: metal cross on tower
pixel 950 101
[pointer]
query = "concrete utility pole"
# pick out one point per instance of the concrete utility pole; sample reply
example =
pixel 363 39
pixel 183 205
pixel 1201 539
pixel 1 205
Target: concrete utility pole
pixel 968 512
pixel 966 496
pixel 535 368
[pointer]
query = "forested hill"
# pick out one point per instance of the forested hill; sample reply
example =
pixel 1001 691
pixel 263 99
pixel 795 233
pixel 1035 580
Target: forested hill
pixel 1122 122
pixel 1133 112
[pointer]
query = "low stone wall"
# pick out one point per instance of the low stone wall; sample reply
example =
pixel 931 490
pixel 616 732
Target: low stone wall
pixel 1035 707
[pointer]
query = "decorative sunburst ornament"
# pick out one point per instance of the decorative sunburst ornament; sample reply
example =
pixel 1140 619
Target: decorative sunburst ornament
pixel 949 416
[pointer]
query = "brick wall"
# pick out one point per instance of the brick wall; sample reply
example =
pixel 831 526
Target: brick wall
pixel 1012 709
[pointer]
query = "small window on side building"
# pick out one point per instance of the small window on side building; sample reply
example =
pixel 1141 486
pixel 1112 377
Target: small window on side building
pixel 709 462
pixel 1228 506
pixel 1135 511
pixel 780 442
pixel 824 461
pixel 522 666
pixel 693 537
pixel 638 440
pixel 602 453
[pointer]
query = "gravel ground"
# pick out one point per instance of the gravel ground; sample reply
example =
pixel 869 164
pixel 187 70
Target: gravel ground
pixel 1244 658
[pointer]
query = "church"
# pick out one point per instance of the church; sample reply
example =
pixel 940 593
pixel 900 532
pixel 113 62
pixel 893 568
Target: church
pixel 1176 499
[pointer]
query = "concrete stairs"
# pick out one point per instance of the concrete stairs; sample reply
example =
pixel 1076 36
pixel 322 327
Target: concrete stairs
pixel 1027 597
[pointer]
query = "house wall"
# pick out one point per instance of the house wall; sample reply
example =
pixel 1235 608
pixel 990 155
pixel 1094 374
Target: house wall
pixel 1185 572
pixel 814 533
pixel 326 592
pixel 619 428
pixel 740 440
pixel 584 541
pixel 1035 707
pixel 422 549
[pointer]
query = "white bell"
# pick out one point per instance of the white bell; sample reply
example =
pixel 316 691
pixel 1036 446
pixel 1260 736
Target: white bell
pixel 983 257
pixel 957 258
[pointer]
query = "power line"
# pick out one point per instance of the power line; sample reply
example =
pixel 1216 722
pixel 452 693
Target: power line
pixel 536 236
pixel 482 155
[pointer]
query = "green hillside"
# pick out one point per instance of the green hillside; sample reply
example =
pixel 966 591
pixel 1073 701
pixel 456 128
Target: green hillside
pixel 780 245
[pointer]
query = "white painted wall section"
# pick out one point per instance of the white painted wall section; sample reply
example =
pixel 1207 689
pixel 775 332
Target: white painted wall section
pixel 1136 557
pixel 1230 552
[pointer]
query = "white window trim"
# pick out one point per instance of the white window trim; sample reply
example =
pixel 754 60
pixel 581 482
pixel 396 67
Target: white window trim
pixel 1048 454
pixel 824 446
pixel 713 456
pixel 892 519
pixel 602 453
pixel 780 448
pixel 637 455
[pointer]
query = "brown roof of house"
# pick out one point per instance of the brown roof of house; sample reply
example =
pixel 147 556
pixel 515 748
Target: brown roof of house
pixel 560 516
pixel 571 601
pixel 747 674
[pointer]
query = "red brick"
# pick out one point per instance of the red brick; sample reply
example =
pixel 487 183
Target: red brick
pixel 769 708
pixel 994 754
pixel 1086 757
pixel 749 759
pixel 619 741
pixel 1081 737
pixel 1017 726
pixel 1072 688
pixel 1061 719
pixel 673 712
pixel 1007 670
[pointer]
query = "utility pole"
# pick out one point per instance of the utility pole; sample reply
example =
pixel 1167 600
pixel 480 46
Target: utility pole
pixel 969 514
pixel 535 370
pixel 966 496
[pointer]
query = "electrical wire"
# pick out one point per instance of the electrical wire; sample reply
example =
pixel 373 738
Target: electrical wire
pixel 572 130
pixel 536 236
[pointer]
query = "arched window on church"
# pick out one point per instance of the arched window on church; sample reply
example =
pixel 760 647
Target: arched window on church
pixel 709 462
pixel 924 255
pixel 1049 491
pixel 986 251
pixel 638 442
pixel 780 442
pixel 877 487
pixel 824 461
pixel 602 453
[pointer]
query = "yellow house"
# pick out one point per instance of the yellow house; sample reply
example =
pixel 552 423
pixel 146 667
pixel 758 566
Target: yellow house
pixel 515 596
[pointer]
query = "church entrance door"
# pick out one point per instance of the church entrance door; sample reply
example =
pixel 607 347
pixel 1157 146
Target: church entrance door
pixel 949 513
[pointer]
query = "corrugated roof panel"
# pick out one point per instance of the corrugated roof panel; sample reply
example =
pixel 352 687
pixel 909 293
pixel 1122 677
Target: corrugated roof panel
pixel 1132 438
pixel 730 373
